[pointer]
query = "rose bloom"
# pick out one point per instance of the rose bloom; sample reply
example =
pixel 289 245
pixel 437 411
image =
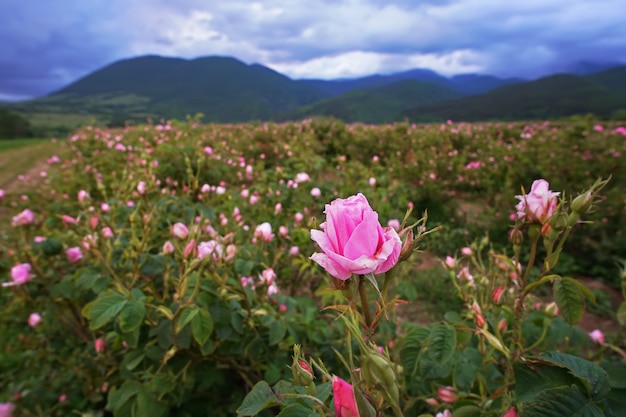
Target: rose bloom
pixel 6 409
pixel 180 231
pixel 24 218
pixel 264 231
pixel 597 336
pixel 74 254
pixel 20 274
pixel 539 204
pixel 353 240
pixel 34 319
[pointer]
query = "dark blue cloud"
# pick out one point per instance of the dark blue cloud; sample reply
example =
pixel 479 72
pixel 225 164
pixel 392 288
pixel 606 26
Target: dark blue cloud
pixel 45 44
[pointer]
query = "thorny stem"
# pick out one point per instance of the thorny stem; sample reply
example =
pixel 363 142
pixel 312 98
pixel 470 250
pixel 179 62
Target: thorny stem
pixel 364 304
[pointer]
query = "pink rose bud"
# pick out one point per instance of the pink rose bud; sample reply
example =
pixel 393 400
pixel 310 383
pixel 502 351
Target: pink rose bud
pixel 62 398
pixel 597 336
pixel 253 199
pixel 20 274
pixel 141 187
pixel 107 232
pixel 552 309
pixel 372 181
pixel 316 192
pixel 298 217
pixel 447 394
pixel 294 251
pixel 278 208
pixel 344 399
pixel 2 194
pixel 283 231
pixel 264 231
pixel 498 295
pixel 34 319
pixel 466 251
pixel 394 223
pixel 353 241
pixel 100 345
pixel 190 249
pixel 302 177
pixel 432 402
pixel 168 247
pixel 105 207
pixel 444 413
pixel 83 195
pixel 538 205
pixel 231 251
pixel 502 325
pixel 24 218
pixel 180 231
pixel 450 262
pixel 68 220
pixel 74 254
pixel 93 221
pixel 511 412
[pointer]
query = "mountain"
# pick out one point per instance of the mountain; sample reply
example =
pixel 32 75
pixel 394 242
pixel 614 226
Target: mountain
pixel 224 89
pixel 465 84
pixel 549 97
pixel 590 67
pixel 377 104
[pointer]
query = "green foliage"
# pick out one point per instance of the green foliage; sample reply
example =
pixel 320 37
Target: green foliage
pixel 13 125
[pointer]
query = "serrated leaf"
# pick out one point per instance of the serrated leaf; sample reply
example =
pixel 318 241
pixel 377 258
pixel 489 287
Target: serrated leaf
pixel 202 326
pixel 570 301
pixel 103 309
pixel 467 411
pixel 561 401
pixel 589 295
pixel 118 397
pixel 131 316
pixel 297 410
pixel 593 377
pixel 147 405
pixel 258 399
pixel 441 344
pixel 186 315
pixel 410 353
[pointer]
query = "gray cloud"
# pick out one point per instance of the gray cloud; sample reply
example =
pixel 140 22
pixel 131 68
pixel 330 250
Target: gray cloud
pixel 45 44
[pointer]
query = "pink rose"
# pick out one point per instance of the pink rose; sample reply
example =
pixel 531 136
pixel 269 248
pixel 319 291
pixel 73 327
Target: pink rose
pixel 20 274
pixel 74 254
pixel 99 345
pixel 180 231
pixel 353 240
pixel 597 336
pixel 34 319
pixel 447 394
pixel 168 247
pixel 264 231
pixel 511 412
pixel 6 409
pixel 539 204
pixel 24 218
pixel 343 397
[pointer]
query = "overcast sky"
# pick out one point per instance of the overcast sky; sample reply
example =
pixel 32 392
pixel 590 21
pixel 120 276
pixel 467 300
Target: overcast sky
pixel 46 44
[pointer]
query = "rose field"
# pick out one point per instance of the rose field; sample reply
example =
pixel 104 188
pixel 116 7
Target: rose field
pixel 318 269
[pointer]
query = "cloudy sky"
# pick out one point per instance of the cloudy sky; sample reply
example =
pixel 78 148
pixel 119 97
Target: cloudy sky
pixel 46 44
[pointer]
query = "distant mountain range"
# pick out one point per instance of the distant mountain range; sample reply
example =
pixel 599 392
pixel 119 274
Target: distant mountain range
pixel 227 90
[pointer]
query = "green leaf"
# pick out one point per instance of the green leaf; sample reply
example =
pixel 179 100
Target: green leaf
pixel 594 378
pixel 153 265
pixel 132 359
pixel 259 398
pixel 589 295
pixel 297 410
pixel 467 411
pixel 118 397
pixel 243 267
pixel 202 326
pixel 87 278
pixel 147 405
pixel 540 282
pixel 186 315
pixel 441 344
pixel 532 378
pixel 570 301
pixel 104 308
pixel 51 247
pixel 561 401
pixel 131 316
pixel 411 352
pixel 621 313
pixel 277 332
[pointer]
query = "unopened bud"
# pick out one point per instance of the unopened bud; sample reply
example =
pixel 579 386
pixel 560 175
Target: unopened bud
pixel 516 237
pixel 190 249
pixel 432 402
pixel 382 371
pixel 447 394
pixel 502 326
pixel 498 295
pixel 552 309
pixel 558 221
pixel 408 247
pixel 582 203
pixel 302 373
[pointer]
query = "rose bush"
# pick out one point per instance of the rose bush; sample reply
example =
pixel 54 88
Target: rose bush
pixel 353 240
